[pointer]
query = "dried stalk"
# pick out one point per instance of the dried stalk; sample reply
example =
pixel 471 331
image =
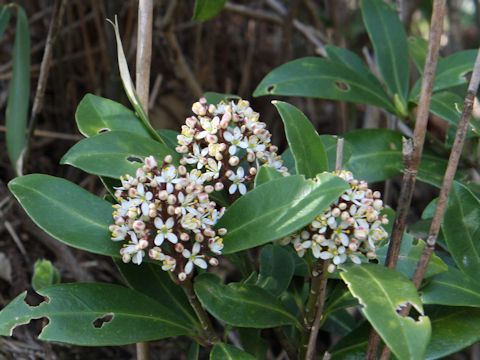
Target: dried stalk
pixel 142 84
pixel 413 161
pixel 42 79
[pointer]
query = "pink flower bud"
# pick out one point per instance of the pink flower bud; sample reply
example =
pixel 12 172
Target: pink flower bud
pixel 213 261
pixel 233 161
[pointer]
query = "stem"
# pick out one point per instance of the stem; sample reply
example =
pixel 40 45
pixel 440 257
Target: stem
pixel 339 156
pixel 413 158
pixel 142 84
pixel 202 315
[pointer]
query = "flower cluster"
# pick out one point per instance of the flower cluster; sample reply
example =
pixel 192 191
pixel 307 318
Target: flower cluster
pixel 223 140
pixel 165 212
pixel 350 228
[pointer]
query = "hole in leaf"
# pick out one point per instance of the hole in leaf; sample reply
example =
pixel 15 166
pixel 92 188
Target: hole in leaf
pixel 271 88
pixel 99 322
pixel 103 130
pixel 342 86
pixel 466 76
pixel 413 313
pixel 134 159
pixel 34 299
pixel 32 326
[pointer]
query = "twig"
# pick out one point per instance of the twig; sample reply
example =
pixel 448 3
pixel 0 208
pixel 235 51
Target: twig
pixel 339 156
pixel 142 84
pixel 202 315
pixel 42 79
pixel 413 161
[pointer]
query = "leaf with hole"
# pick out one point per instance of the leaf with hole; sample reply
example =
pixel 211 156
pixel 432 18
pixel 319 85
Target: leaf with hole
pixel 461 229
pixel 96 115
pixel 324 79
pixel 276 269
pixel 18 92
pixel 262 215
pixel 410 252
pixel 114 153
pixel 389 41
pixel 383 293
pixel 94 314
pixel 303 140
pixel 80 219
pixel 239 304
pixel 222 351
pixel 452 288
pixel 151 280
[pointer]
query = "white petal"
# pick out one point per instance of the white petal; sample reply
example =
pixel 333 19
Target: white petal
pixel 242 188
pixel 148 196
pixel 140 190
pixel 196 248
pixel 240 172
pixel 186 253
pixel 145 208
pixel 200 263
pixel 159 239
pixel 325 255
pixel 158 223
pixel 189 267
pixel 137 258
pixel 169 188
pixel 228 136
pixel 172 238
pixel 169 223
pixel 232 188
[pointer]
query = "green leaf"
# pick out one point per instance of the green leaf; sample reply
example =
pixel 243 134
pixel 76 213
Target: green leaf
pixel 450 72
pixel 253 342
pixel 303 140
pixel 151 280
pixel 276 269
pixel 447 106
pixel 207 9
pixel 128 84
pixel 353 346
pixel 417 48
pixel 216 98
pixel 452 288
pixel 18 92
pixel 453 329
pixel 410 252
pixel 289 161
pixel 96 114
pixel 169 138
pixel 324 79
pixel 387 292
pixel 340 323
pixel 262 215
pixel 94 314
pixel 44 274
pixel 238 304
pixel 4 18
pixel 390 44
pixel 377 156
pixel 223 351
pixel 114 153
pixel 330 145
pixel 461 229
pixel 340 298
pixel 193 351
pixel 266 174
pixel 67 212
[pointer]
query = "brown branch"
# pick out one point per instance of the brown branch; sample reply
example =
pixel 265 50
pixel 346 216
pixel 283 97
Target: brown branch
pixel 142 84
pixel 413 161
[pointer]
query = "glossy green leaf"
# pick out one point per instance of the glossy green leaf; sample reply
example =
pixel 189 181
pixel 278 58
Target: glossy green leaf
pixel 151 280
pixel 377 156
pixel 262 215
pixel 128 84
pixel 447 106
pixel 276 269
pixel 67 212
pixel 325 79
pixel 390 44
pixel 44 274
pixel 96 115
pixel 94 314
pixel 193 351
pixel 207 9
pixel 169 137
pixel 461 229
pixel 303 140
pixel 253 342
pixel 19 92
pixel 340 323
pixel 353 346
pixel 451 72
pixel 410 252
pixel 452 288
pixel 387 292
pixel 216 98
pixel 340 298
pixel 114 153
pixel 239 304
pixel 266 174
pixel 453 329
pixel 417 48
pixel 223 351
pixel 289 161
pixel 5 14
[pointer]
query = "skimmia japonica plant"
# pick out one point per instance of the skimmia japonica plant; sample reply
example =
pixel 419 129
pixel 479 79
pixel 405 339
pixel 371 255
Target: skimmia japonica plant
pixel 305 230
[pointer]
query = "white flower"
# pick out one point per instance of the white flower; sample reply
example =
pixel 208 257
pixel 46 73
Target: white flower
pixel 237 182
pixel 235 139
pixel 254 144
pixel 216 245
pixel 191 222
pixel 143 199
pixel 133 250
pixel 165 231
pixel 213 168
pixel 194 258
pixel 118 232
pixel 168 177
pixel 210 126
pixel 198 156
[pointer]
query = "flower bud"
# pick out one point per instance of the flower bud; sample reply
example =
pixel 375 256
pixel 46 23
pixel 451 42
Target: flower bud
pixel 182 276
pixel 234 161
pixel 219 186
pixel 213 261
